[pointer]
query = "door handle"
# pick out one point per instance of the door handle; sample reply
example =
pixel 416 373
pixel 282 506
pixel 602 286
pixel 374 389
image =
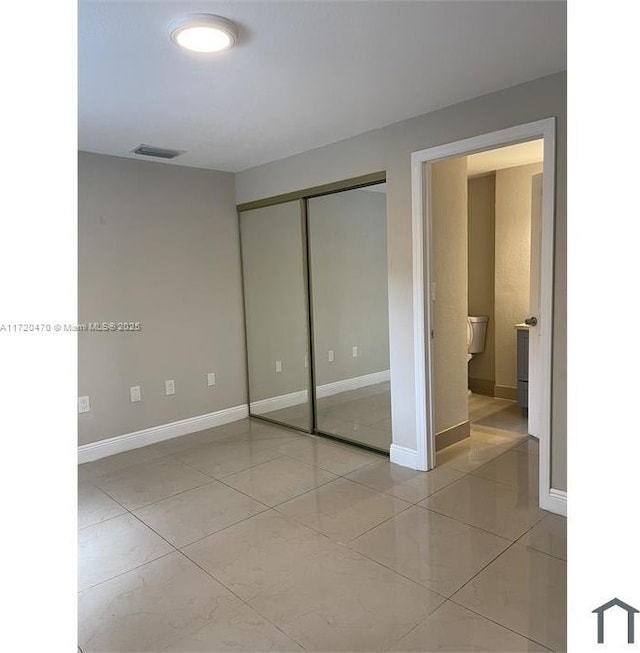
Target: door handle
pixel 531 321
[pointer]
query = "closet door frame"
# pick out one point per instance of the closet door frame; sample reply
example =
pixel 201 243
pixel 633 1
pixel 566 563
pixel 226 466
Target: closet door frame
pixel 303 196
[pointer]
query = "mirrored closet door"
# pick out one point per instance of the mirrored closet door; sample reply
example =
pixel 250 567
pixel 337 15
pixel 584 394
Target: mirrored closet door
pixel 316 311
pixel 276 313
pixel 348 274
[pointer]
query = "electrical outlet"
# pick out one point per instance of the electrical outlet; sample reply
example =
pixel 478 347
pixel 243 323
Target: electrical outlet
pixel 211 378
pixel 354 351
pixel 278 366
pixel 330 356
pixel 135 394
pixel 83 404
pixel 169 387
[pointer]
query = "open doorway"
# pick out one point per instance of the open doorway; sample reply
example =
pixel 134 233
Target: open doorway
pixel 442 376
pixel 503 262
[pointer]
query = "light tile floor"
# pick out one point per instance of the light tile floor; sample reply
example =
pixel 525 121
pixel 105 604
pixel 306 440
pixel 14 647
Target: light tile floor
pixel 257 538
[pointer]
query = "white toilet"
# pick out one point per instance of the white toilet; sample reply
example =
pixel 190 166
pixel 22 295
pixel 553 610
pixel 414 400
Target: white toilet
pixel 476 335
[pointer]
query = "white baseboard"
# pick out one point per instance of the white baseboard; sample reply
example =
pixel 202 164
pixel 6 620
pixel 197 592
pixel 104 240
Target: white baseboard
pixel 120 443
pixel 356 382
pixel 301 396
pixel 403 456
pixel 281 401
pixel 555 501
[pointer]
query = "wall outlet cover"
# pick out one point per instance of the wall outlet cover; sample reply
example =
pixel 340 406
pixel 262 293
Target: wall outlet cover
pixel 211 378
pixel 84 406
pixel 169 387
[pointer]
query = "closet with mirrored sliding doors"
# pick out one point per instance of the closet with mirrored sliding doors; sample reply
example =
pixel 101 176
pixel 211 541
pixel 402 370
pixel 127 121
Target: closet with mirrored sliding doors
pixel 314 267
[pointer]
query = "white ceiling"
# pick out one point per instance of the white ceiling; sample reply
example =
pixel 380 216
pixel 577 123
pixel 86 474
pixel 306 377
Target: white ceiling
pixel 303 74
pixel 505 157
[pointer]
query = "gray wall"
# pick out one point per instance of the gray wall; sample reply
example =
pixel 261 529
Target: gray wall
pixel 389 149
pixel 348 255
pixel 482 204
pixel 275 299
pixel 157 244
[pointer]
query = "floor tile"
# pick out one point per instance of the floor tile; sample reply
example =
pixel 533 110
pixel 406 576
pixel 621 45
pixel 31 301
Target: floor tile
pixel 495 507
pixel 468 454
pixel 138 485
pixel 523 590
pixel 323 595
pixel 190 516
pixel 278 480
pixel 151 607
pixel 342 509
pixel 235 629
pixel 404 483
pixel 508 418
pixel 333 457
pixel 95 506
pixel 482 405
pixel 514 468
pixel 256 553
pixel 342 562
pixel 115 546
pixel 261 430
pixel 343 602
pixel 223 458
pixel 457 630
pixel 497 436
pixel 548 536
pixel 197 439
pixel 439 552
pixel 119 461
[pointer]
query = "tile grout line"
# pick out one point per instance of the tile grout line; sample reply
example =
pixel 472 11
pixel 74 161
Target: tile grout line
pixel 122 573
pixel 513 543
pixel 480 528
pixel 527 637
pixel 153 503
pixel 224 528
pixel 217 580
pixel 290 498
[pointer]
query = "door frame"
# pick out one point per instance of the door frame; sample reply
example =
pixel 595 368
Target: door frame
pixel 550 498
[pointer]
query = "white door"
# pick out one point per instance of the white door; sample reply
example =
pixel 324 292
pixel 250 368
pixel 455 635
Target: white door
pixel 535 389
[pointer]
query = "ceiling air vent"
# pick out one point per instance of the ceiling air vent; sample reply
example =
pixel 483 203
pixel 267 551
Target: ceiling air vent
pixel 158 152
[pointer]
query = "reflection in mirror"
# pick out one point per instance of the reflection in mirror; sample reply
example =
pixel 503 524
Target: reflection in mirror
pixel 274 277
pixel 348 268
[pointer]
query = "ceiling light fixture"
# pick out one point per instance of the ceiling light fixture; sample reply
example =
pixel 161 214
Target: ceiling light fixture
pixel 204 33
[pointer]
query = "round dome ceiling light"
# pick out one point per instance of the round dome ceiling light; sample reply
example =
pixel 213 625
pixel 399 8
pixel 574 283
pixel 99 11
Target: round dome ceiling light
pixel 204 33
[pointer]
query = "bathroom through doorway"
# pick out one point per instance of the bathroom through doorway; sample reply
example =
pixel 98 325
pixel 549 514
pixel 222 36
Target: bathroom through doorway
pixel 483 247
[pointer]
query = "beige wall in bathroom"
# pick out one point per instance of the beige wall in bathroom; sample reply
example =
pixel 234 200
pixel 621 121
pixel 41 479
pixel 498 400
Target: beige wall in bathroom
pixel 449 233
pixel 482 202
pixel 512 262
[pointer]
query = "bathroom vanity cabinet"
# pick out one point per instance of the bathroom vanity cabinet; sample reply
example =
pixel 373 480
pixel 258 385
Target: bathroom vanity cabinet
pixel 522 365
